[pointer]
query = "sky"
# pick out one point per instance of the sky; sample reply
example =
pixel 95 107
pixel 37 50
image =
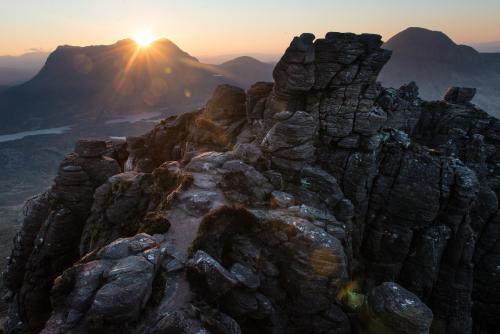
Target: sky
pixel 216 27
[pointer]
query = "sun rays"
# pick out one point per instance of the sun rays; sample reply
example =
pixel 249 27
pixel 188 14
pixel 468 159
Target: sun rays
pixel 156 70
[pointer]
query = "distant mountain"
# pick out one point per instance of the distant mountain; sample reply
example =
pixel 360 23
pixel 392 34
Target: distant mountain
pixel 487 47
pixel 95 83
pixel 248 70
pixel 18 69
pixel 33 59
pixel 221 58
pixel 420 43
pixel 435 62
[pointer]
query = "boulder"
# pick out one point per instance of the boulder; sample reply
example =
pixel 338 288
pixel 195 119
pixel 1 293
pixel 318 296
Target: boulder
pixel 209 276
pixel 227 103
pixel 108 289
pixel 389 308
pixel 120 209
pixel 282 264
pixel 459 94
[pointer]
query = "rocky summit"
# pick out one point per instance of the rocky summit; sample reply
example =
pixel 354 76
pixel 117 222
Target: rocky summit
pixel 320 203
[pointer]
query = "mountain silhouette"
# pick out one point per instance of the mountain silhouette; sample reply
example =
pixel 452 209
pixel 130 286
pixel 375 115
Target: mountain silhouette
pixel 17 69
pixel 490 47
pixel 93 83
pixel 248 70
pixel 435 62
pixel 420 43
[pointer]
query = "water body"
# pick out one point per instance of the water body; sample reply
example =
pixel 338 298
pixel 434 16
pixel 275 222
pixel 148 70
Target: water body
pixel 21 135
pixel 118 138
pixel 144 116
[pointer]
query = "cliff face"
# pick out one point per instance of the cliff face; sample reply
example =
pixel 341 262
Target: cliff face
pixel 322 203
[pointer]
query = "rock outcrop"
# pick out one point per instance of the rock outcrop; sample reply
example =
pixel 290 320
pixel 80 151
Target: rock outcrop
pixel 322 203
pixel 47 243
pixel 390 308
pixel 459 94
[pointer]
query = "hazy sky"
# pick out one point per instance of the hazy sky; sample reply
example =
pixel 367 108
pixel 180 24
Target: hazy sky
pixel 213 27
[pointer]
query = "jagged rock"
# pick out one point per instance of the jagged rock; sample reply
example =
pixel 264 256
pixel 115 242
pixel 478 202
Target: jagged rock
pixel 389 308
pixel 256 95
pixel 290 140
pixel 117 150
pixel 35 211
pixel 119 207
pixel 50 233
pixel 219 322
pixel 280 199
pixel 175 322
pixel 251 154
pixel 209 276
pixel 243 184
pixel 227 103
pixel 108 289
pixel 485 293
pixel 351 141
pixel 245 276
pixel 295 71
pixel 166 142
pixel 318 181
pixel 459 94
pixel 154 222
pixel 275 178
pixel 89 148
pixel 312 265
pixel 348 185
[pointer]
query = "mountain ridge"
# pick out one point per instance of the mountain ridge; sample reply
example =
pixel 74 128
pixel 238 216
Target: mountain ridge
pixel 15 70
pixel 249 68
pixel 78 83
pixel 88 83
pixel 435 62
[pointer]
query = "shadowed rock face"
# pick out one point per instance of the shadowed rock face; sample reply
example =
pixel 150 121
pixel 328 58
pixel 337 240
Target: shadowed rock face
pixel 47 243
pixel 322 203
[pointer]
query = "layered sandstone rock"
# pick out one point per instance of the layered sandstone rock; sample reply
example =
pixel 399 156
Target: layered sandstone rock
pixel 321 203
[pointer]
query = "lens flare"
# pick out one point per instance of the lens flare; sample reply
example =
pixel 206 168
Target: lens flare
pixel 350 296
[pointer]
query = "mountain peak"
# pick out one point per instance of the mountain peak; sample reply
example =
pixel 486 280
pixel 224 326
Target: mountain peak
pixel 424 43
pixel 247 67
pixel 415 38
pixel 242 60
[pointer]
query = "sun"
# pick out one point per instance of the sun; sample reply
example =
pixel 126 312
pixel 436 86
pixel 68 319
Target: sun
pixel 143 39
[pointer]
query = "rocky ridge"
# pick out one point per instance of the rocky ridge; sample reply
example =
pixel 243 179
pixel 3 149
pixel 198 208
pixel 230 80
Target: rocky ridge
pixel 322 203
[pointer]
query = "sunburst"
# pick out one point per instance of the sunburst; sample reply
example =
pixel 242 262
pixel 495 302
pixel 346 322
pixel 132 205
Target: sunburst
pixel 143 39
